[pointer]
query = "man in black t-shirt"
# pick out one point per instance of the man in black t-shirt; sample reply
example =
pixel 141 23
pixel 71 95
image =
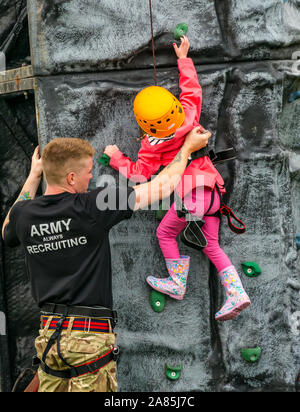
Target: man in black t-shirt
pixel 65 237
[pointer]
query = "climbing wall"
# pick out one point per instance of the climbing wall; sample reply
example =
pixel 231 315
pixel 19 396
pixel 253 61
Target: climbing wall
pixel 90 59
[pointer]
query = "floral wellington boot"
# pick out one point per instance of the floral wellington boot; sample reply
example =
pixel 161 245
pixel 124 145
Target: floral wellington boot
pixel 175 284
pixel 236 297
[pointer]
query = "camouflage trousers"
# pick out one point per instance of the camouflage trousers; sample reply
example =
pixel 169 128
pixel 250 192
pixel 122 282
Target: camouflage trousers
pixel 77 347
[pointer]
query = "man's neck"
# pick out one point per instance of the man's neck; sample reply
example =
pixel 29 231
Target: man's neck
pixel 56 190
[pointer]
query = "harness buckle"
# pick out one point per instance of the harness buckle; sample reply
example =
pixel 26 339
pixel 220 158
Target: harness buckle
pixel 116 353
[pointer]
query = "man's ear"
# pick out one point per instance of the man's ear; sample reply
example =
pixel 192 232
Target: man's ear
pixel 70 178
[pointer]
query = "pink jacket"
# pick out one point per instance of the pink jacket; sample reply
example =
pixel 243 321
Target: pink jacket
pixel 151 158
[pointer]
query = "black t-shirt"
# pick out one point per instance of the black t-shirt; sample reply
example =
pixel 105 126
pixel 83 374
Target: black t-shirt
pixel 66 242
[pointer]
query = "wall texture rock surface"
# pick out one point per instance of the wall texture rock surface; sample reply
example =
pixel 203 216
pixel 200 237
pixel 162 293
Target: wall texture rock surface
pixel 90 59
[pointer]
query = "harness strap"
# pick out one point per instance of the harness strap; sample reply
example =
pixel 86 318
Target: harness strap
pixel 225 210
pixel 59 353
pixel 54 336
pixel 193 235
pixel 211 201
pixel 89 367
pixel 222 156
pixel 200 153
pixel 216 158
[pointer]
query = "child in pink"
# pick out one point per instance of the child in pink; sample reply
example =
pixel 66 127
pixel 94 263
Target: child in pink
pixel 156 152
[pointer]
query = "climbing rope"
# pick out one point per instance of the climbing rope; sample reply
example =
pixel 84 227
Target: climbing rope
pixel 153 47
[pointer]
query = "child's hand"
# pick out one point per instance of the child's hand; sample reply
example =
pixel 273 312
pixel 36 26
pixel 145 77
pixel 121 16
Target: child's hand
pixel 182 50
pixel 110 150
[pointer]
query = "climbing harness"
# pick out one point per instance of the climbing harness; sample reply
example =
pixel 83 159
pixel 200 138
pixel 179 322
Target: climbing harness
pixel 193 235
pixel 63 311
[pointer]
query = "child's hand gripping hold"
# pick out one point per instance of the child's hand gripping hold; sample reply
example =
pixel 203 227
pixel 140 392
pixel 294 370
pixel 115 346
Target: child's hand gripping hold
pixel 183 49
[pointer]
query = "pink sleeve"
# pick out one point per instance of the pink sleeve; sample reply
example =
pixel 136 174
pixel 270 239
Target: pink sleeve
pixel 139 171
pixel 191 91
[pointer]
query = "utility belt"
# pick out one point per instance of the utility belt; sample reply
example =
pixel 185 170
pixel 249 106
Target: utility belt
pixel 99 320
pixel 193 235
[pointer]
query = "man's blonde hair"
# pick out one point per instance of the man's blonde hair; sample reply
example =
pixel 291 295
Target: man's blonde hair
pixel 63 155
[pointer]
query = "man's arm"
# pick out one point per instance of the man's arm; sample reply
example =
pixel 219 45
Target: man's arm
pixel 165 183
pixel 140 171
pixel 31 185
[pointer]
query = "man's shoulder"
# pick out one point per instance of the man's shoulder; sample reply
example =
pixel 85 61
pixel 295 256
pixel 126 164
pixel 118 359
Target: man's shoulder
pixel 19 206
pixel 22 206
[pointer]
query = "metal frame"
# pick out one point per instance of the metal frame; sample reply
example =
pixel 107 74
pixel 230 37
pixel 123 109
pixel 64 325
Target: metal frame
pixel 16 80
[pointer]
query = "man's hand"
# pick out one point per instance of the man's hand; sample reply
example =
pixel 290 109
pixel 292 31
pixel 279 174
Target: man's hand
pixel 182 50
pixel 110 150
pixel 36 164
pixel 196 139
pixel 166 181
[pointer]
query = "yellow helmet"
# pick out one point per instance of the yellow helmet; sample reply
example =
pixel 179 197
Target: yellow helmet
pixel 158 112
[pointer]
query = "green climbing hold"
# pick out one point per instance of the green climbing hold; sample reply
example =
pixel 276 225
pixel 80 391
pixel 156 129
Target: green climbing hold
pixel 251 269
pixel 251 354
pixel 180 30
pixel 157 301
pixel 104 160
pixel 173 373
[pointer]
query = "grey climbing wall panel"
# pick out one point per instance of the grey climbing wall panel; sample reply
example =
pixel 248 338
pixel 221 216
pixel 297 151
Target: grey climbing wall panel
pixel 90 59
pixel 80 36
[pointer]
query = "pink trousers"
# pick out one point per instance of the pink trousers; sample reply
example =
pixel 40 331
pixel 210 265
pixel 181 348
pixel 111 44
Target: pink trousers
pixel 198 204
